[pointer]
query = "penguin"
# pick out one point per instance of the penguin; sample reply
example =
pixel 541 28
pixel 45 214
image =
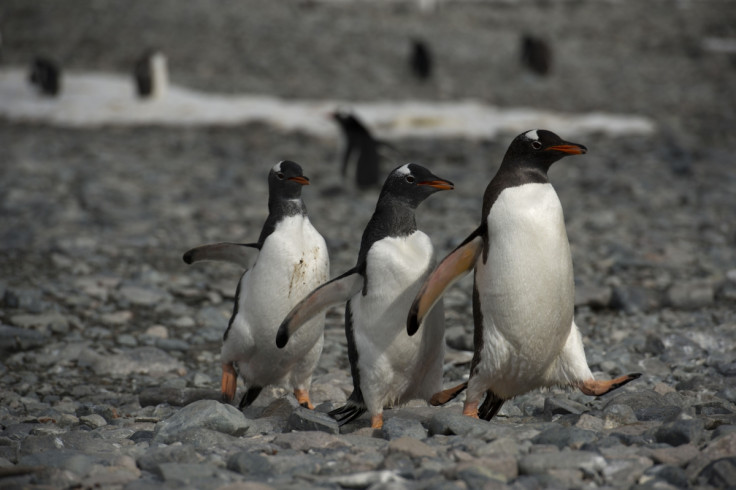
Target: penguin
pixel 359 143
pixel 45 74
pixel 420 59
pixel 536 55
pixel 151 74
pixel 525 336
pixel 388 367
pixel 291 261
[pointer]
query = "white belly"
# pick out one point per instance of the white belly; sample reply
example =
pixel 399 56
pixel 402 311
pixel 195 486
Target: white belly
pixel 526 287
pixel 292 262
pixel 391 362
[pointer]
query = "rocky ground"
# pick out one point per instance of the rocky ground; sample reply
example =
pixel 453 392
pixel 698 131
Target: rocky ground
pixel 109 369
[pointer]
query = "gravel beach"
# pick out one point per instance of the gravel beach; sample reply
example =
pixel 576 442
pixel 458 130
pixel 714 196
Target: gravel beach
pixel 109 343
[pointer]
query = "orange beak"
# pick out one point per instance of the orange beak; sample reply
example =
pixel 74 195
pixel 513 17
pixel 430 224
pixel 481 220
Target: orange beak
pixel 443 185
pixel 569 148
pixel 300 180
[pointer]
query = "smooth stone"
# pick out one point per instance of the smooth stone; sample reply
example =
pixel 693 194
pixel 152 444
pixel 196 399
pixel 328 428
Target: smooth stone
pixel 54 321
pixel 451 423
pixel 310 420
pixel 17 339
pixel 411 447
pixel 205 414
pixel 563 406
pixel 718 448
pixel 141 360
pixel 680 432
pixel 397 427
pixel 70 460
pixel 675 456
pixel 156 455
pixel 306 440
pixel 250 464
pixel 691 295
pixel 93 420
pixel 562 437
pixel 671 474
pixel 720 473
pixel 539 463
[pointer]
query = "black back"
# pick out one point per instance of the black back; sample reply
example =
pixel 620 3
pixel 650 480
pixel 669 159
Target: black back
pixel 46 76
pixel 358 139
pixel 536 55
pixel 420 59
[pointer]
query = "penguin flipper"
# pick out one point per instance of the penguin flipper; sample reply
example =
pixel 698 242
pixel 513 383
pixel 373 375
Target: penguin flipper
pixel 237 253
pixel 458 263
pixel 329 294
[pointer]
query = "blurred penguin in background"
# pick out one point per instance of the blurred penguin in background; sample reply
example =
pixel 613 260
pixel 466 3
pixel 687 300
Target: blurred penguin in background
pixel 420 59
pixel 151 75
pixel 536 55
pixel 360 150
pixel 45 75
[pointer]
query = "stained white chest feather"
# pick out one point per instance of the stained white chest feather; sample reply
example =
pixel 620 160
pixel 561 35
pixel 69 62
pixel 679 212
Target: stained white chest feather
pixel 291 263
pixel 526 286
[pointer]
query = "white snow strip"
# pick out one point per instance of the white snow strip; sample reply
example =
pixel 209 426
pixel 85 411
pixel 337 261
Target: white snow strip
pixel 97 99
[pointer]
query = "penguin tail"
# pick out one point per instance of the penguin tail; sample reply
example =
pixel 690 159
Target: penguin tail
pixel 354 408
pixel 250 396
pixel 444 396
pixel 490 406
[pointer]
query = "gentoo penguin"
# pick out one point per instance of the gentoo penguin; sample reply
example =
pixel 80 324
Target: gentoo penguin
pixel 536 54
pixel 420 59
pixel 151 74
pixel 45 74
pixel 388 367
pixel 525 336
pixel 291 261
pixel 359 143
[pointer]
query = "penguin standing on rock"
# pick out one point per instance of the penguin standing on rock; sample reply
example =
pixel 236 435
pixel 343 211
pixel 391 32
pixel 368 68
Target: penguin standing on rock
pixel 359 146
pixel 525 336
pixel 388 367
pixel 45 74
pixel 151 75
pixel 292 260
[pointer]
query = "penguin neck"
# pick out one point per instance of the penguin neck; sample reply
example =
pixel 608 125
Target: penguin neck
pixel 278 209
pixel 392 218
pixel 282 207
pixel 396 216
pixel 512 175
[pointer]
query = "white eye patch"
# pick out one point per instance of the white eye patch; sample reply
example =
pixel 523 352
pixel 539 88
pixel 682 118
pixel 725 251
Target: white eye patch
pixel 277 167
pixel 532 135
pixel 404 170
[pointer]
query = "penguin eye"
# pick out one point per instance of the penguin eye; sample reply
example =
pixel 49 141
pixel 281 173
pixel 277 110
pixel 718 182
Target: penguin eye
pixel 536 145
pixel 410 179
pixel 280 175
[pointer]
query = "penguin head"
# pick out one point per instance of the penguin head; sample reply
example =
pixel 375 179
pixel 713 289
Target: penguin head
pixel 286 180
pixel 412 184
pixel 540 148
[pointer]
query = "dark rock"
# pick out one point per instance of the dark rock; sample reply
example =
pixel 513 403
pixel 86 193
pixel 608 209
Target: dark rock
pixel 720 473
pixel 680 432
pixel 304 419
pixel 654 345
pixel 142 436
pixel 458 338
pixel 563 406
pixel 306 440
pixel 397 427
pixel 634 299
pixel 15 339
pixel 664 413
pixel 565 437
pixel 671 474
pixel 540 463
pixel 156 455
pixel 251 464
pixel 691 295
pixel 446 423
pixel 176 397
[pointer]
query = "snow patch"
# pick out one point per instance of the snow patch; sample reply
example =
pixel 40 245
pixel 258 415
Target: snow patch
pixel 100 99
